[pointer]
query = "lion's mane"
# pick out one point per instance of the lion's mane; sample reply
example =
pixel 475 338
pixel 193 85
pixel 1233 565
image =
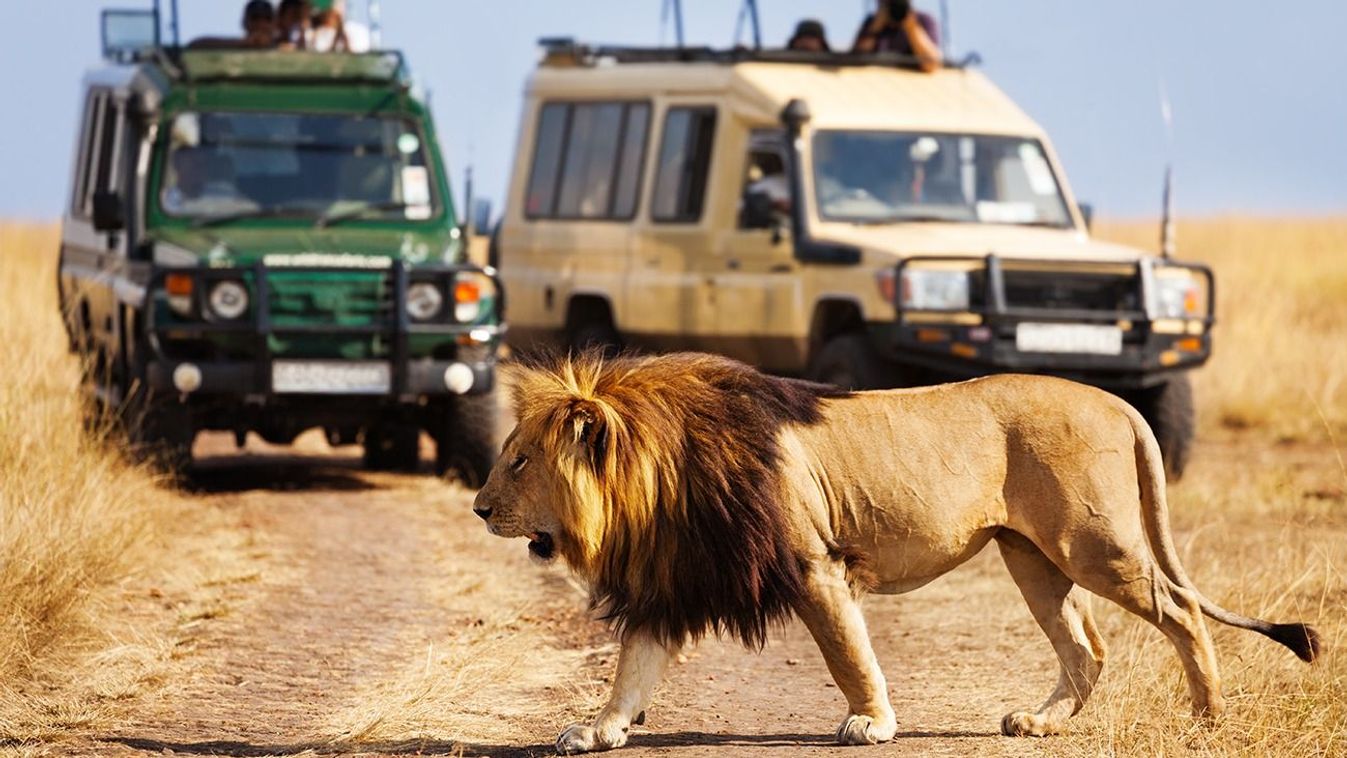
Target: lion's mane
pixel 666 483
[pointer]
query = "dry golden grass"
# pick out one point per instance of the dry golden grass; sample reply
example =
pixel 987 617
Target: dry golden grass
pixel 1280 356
pixel 75 517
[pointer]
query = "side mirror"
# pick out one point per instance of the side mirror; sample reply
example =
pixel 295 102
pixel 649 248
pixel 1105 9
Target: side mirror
pixel 107 215
pixel 757 211
pixel 127 34
pixel 1087 213
pixel 481 216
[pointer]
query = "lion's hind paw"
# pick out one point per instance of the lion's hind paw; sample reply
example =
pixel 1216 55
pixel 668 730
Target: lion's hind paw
pixel 1025 724
pixel 865 730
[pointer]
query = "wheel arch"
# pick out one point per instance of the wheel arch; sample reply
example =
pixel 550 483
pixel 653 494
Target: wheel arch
pixel 833 315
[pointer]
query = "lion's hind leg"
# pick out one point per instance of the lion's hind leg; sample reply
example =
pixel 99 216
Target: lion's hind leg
pixel 1062 610
pixel 834 619
pixel 1126 574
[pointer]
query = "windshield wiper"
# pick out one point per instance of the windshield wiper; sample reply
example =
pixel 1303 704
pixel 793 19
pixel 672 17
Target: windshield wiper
pixel 914 219
pixel 270 211
pixel 346 214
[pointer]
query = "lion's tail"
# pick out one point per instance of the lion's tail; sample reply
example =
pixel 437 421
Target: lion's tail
pixel 1302 639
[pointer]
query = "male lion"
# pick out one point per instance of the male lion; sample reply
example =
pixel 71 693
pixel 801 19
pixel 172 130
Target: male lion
pixel 696 494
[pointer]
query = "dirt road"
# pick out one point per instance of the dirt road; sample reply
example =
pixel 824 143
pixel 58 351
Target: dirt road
pixel 344 612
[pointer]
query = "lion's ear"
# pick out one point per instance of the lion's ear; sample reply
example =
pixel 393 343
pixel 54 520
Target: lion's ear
pixel 590 432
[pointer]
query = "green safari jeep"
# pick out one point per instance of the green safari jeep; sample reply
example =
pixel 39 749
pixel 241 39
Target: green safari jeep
pixel 265 241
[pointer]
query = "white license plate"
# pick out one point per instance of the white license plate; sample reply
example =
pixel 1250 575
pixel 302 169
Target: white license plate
pixel 1068 338
pixel 331 377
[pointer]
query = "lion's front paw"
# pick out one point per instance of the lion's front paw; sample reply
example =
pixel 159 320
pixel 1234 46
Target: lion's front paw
pixel 1025 724
pixel 865 730
pixel 583 738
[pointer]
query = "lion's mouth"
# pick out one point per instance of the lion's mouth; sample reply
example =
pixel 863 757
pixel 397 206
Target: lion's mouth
pixel 540 544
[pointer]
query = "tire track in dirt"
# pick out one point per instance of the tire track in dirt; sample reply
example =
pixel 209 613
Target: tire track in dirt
pixel 356 579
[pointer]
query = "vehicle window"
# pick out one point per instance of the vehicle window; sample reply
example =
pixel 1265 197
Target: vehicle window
pixel 107 173
pixel 84 168
pixel 586 180
pixel 684 159
pixel 547 159
pixel 765 173
pixel 587 161
pixel 878 177
pixel 223 163
pixel 631 160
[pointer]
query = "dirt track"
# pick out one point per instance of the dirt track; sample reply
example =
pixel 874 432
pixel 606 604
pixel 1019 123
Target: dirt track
pixel 345 597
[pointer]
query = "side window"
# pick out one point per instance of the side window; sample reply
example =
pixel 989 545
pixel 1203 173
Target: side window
pixel 94 105
pixel 684 159
pixel 587 160
pixel 552 123
pixel 766 179
pixel 108 174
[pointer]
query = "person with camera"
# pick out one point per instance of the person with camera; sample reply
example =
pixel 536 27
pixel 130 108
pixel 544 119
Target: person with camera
pixel 895 27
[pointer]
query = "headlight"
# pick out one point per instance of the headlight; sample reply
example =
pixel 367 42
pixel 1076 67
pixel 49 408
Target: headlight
pixel 228 300
pixel 1178 294
pixel 934 290
pixel 424 301
pixel 470 294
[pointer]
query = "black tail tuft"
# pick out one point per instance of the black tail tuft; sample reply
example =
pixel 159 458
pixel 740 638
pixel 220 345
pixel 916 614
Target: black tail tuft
pixel 1303 640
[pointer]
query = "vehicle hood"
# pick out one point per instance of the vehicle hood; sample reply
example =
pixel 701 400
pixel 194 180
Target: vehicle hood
pixel 974 240
pixel 227 246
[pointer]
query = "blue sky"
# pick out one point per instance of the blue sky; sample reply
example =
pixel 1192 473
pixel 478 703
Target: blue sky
pixel 1257 88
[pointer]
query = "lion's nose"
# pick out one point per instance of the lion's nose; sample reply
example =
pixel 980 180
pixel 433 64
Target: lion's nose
pixel 485 513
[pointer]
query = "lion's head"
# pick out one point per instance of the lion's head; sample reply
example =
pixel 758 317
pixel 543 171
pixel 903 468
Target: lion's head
pixel 655 479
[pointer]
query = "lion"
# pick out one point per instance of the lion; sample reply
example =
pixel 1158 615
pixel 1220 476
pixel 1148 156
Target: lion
pixel 696 495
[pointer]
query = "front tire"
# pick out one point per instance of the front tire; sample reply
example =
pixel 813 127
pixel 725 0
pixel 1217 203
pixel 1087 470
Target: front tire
pixel 1169 409
pixel 465 443
pixel 849 362
pixel 161 432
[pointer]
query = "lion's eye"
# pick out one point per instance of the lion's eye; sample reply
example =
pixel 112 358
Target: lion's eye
pixel 518 462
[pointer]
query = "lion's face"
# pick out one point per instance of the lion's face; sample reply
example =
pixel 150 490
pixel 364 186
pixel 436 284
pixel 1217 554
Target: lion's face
pixel 515 500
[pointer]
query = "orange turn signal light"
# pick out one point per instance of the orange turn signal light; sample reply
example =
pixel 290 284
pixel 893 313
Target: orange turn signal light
pixel 467 292
pixel 178 284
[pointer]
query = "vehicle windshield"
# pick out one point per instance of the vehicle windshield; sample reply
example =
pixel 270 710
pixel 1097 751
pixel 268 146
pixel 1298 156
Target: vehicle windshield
pixel 225 165
pixel 891 177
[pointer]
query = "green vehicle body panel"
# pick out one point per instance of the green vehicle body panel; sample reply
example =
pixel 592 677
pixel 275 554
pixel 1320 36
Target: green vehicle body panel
pixel 343 297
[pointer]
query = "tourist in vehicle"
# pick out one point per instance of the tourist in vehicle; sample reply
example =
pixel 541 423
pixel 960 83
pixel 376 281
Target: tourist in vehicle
pixel 332 32
pixel 202 181
pixel 294 19
pixel 259 24
pixel 896 27
pixel 810 37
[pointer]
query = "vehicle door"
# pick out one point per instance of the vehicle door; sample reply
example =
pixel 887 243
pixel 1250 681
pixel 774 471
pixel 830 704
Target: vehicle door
pixel 758 309
pixel 666 293
pixel 94 240
pixel 579 200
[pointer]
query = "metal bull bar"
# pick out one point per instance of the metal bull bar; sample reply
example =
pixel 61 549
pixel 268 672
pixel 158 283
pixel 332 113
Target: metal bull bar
pixel 258 322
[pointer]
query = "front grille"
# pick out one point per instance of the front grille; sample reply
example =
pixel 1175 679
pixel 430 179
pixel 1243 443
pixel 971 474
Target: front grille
pixel 1073 290
pixel 301 298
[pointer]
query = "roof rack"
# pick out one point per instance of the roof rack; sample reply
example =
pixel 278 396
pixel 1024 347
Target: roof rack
pixel 218 64
pixel 565 51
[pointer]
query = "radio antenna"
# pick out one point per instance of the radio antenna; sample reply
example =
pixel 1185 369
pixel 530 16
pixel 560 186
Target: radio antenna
pixel 944 29
pixel 1168 233
pixel 676 8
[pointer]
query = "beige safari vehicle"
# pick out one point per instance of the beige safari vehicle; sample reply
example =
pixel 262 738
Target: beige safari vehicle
pixel 843 218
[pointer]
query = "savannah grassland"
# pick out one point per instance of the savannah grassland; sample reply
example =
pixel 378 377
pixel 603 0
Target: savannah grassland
pixel 1261 520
